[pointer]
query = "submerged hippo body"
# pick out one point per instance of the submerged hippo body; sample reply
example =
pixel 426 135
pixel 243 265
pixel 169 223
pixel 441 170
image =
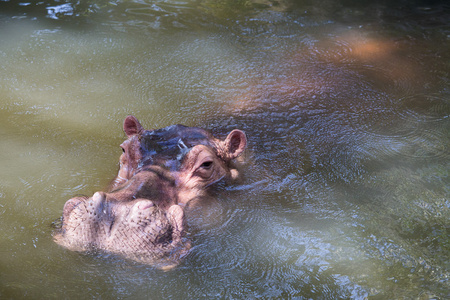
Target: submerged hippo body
pixel 141 216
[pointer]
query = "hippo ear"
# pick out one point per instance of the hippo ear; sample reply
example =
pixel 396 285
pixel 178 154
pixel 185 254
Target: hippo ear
pixel 131 126
pixel 235 143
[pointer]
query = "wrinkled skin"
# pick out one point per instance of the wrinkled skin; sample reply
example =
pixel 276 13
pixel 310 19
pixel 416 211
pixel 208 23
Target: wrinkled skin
pixel 136 229
pixel 142 217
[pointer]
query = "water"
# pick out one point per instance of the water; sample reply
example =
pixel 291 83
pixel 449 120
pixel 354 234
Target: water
pixel 346 105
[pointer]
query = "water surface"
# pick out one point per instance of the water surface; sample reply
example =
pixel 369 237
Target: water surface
pixel 346 105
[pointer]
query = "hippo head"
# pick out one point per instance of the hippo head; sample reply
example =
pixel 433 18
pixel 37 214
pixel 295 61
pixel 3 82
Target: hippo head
pixel 141 216
pixel 191 156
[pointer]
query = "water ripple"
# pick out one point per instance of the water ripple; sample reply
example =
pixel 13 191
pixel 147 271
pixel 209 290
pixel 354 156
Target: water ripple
pixel 426 108
pixel 405 129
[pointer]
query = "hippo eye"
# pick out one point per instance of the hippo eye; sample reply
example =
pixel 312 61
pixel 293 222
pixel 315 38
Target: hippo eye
pixel 206 164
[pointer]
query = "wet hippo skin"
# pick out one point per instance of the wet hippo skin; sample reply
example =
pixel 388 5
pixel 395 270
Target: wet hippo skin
pixel 141 215
pixel 136 229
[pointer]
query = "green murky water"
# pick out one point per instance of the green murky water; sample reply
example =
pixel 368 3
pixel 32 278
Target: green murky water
pixel 346 105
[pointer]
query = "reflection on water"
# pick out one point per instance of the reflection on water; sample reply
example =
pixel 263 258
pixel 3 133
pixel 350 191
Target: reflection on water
pixel 346 106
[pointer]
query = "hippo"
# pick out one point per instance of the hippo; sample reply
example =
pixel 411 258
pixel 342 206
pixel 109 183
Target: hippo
pixel 141 215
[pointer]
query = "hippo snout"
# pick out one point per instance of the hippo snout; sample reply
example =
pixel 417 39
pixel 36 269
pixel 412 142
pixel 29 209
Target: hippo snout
pixel 137 229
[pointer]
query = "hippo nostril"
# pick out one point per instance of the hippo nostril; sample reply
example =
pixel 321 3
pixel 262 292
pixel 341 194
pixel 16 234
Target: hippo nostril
pixel 145 204
pixel 98 197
